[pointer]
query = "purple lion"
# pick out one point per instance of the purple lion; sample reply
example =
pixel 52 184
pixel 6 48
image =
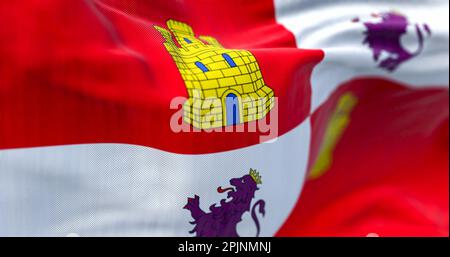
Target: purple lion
pixel 386 36
pixel 222 220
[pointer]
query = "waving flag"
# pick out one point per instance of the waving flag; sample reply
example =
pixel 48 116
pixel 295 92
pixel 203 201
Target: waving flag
pixel 224 118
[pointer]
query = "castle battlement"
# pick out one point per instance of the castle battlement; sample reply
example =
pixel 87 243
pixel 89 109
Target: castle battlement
pixel 225 86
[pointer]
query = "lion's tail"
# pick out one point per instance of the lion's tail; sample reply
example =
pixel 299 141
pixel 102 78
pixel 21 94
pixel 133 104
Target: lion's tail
pixel 420 38
pixel 261 210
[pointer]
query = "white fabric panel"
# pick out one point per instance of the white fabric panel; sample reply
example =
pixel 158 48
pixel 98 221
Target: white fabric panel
pixel 327 25
pixel 129 190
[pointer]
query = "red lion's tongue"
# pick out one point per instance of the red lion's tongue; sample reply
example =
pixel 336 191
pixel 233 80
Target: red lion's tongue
pixel 221 190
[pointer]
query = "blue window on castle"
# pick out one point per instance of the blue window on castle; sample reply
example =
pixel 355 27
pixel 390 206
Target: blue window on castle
pixel 187 40
pixel 232 109
pixel 201 66
pixel 229 60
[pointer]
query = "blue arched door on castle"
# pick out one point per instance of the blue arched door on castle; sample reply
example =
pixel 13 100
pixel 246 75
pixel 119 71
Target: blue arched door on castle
pixel 232 109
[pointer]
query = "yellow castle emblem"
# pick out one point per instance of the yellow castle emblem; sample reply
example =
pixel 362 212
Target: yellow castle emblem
pixel 225 86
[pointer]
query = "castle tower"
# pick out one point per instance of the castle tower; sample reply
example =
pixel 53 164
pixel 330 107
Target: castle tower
pixel 225 86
